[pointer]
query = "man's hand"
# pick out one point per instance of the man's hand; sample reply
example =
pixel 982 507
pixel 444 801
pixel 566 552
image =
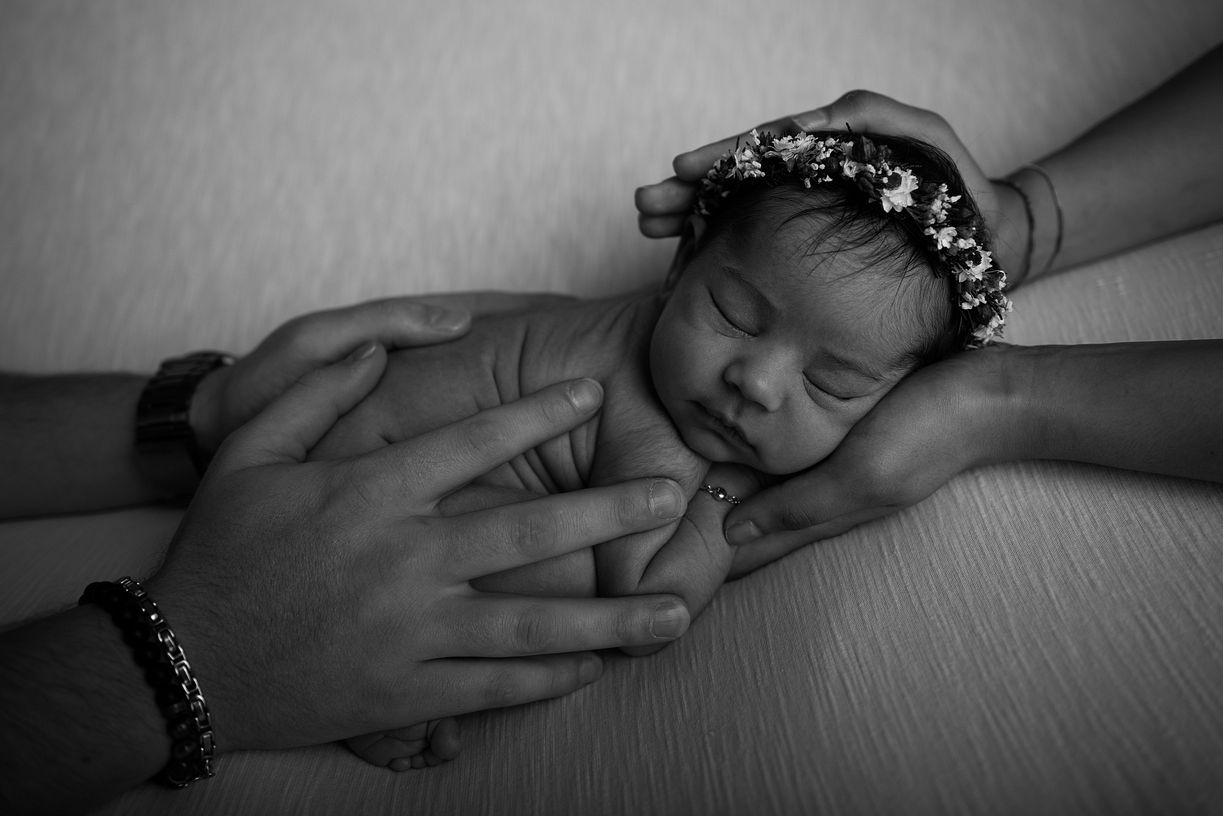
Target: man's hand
pixel 230 396
pixel 329 599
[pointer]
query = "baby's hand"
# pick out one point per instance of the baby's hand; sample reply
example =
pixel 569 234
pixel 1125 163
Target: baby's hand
pixel 689 558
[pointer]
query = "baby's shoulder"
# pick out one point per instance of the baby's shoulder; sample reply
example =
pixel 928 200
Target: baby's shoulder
pixel 599 339
pixel 638 439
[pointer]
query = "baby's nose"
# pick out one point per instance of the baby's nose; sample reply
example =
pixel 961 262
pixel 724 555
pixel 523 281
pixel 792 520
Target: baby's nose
pixel 758 381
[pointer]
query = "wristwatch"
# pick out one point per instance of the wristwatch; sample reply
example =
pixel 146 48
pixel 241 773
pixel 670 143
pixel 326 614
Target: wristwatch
pixel 165 440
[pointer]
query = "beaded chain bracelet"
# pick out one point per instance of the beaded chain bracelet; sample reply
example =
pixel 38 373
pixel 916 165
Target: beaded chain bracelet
pixel 158 653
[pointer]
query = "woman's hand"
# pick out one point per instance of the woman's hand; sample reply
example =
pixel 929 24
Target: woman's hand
pixel 327 599
pixel 230 396
pixel 938 421
pixel 663 207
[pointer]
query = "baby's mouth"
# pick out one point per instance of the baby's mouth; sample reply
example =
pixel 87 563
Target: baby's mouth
pixel 724 426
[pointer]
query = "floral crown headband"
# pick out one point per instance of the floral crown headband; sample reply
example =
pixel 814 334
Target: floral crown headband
pixel 960 248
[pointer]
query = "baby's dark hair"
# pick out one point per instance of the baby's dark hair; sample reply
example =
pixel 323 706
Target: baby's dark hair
pixel 844 216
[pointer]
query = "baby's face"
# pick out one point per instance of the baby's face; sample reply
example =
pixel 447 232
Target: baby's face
pixel 764 357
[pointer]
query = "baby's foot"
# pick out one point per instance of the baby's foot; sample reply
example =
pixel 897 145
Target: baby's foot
pixel 418 746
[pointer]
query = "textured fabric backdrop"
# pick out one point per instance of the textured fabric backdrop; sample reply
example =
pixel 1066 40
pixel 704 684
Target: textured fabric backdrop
pixel 1035 637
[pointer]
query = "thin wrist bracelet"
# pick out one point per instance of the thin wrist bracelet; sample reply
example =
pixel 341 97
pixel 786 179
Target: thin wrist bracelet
pixel 1057 207
pixel 158 653
pixel 1027 211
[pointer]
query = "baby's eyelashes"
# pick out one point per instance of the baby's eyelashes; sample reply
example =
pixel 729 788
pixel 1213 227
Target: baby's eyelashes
pixel 826 391
pixel 725 315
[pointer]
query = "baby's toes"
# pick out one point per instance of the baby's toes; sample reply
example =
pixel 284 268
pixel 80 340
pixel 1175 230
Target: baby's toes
pixel 384 748
pixel 442 746
pixel 444 743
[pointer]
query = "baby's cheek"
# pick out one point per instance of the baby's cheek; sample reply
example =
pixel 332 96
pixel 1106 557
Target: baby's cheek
pixel 802 445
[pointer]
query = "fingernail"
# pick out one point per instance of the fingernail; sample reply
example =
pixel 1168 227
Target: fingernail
pixel 362 352
pixel 812 120
pixel 446 319
pixel 591 669
pixel 665 499
pixel 670 621
pixel 585 394
pixel 745 532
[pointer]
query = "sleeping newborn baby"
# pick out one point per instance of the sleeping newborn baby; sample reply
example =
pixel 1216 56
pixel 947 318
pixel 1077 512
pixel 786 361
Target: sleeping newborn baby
pixel 817 271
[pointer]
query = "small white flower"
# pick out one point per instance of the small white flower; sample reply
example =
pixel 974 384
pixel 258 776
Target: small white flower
pixel 747 165
pixel 969 300
pixel 943 236
pixel 791 148
pixel 938 206
pixel 978 263
pixel 898 193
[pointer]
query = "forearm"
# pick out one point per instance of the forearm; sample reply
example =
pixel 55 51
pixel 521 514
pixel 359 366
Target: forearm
pixel 1150 407
pixel 67 443
pixel 80 724
pixel 1149 171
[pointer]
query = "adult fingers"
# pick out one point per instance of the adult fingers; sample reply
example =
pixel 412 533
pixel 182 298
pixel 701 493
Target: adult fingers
pixel 454 455
pixel 693 165
pixel 858 110
pixel 462 685
pixel 400 322
pixel 666 197
pixel 292 424
pixel 517 626
pixel 767 549
pixel 475 497
pixel 484 303
pixel 661 226
pixel 810 506
pixel 499 539
pixel 867 111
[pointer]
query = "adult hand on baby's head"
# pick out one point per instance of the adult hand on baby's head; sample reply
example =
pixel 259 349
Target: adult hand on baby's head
pixel 229 396
pixel 662 207
pixel 939 421
pixel 327 599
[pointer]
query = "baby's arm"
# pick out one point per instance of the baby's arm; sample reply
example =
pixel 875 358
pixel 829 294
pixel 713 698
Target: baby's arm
pixel 689 558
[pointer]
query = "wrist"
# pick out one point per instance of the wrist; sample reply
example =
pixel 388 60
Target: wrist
pixel 999 402
pixel 1046 237
pixel 1018 429
pixel 168 674
pixel 205 412
pixel 166 441
pixel 1012 238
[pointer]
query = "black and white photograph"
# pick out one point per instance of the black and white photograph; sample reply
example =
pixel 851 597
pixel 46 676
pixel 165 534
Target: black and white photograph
pixel 561 408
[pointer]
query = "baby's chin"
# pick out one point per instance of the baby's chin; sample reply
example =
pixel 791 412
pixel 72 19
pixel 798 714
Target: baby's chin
pixel 709 446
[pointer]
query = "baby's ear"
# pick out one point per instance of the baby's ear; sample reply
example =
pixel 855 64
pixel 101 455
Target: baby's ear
pixel 689 240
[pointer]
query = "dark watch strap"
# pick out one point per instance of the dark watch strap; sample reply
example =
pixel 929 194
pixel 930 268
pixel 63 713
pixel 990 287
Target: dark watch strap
pixel 165 440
